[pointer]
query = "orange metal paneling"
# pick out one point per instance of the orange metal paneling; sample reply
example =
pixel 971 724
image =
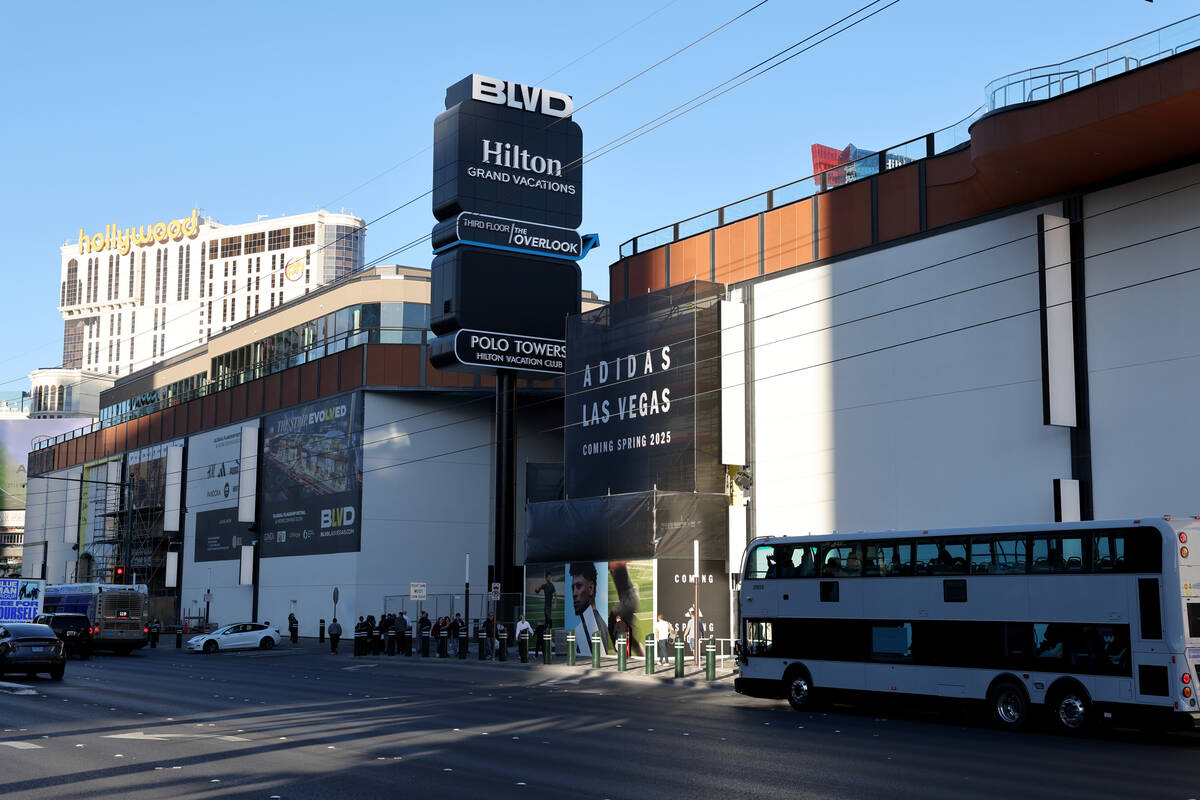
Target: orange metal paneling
pixel 647 272
pixel 616 281
pixel 313 378
pixel 376 367
pixel 735 249
pixel 352 369
pixel 271 399
pixel 899 203
pixel 846 215
pixel 690 259
pixel 787 236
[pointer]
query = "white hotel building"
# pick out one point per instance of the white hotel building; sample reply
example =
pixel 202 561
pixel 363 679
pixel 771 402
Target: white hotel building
pixel 132 296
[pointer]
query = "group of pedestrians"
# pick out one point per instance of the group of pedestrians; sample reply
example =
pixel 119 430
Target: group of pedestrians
pixel 397 632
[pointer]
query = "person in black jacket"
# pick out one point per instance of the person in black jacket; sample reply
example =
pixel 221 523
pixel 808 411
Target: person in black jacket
pixel 294 628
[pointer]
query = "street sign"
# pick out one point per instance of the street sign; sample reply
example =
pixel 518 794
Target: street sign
pixel 208 596
pixel 486 351
pixel 416 591
pixel 335 595
pixel 495 591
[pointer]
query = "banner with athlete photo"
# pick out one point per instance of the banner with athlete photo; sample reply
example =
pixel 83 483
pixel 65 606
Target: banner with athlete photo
pixel 588 596
pixel 312 479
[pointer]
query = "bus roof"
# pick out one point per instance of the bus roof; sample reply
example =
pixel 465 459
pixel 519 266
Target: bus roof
pixel 94 588
pixel 1171 523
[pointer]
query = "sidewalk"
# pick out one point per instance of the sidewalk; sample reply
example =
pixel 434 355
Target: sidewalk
pixel 635 668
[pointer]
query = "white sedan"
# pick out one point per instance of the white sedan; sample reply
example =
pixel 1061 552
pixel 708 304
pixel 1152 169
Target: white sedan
pixel 240 636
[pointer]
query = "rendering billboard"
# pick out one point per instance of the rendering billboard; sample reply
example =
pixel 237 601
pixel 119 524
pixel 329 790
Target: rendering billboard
pixel 312 479
pixel 17 438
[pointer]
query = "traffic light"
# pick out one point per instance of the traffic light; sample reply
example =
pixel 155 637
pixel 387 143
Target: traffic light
pixel 119 575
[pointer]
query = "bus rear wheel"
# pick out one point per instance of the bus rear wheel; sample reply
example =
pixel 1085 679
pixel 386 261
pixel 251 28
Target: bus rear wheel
pixel 1009 705
pixel 1070 708
pixel 797 683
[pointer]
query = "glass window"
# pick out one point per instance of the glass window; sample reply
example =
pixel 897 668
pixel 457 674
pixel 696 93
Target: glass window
pixel 231 246
pixel 887 559
pixel 1056 554
pixel 1108 553
pixel 255 242
pixel 760 559
pixel 839 560
pixel 891 641
pixel 942 557
pixel 279 239
pixel 997 555
pixel 303 235
pixel 758 637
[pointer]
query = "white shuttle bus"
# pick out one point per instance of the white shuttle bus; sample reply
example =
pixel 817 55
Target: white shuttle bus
pixel 1090 620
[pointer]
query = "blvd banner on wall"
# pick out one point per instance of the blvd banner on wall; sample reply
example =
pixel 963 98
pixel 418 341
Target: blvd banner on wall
pixel 643 394
pixel 312 479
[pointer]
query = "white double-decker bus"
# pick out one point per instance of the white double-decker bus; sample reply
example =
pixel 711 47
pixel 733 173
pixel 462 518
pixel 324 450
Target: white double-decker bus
pixel 1091 620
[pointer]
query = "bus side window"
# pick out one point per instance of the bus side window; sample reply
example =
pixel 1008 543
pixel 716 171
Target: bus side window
pixel 1108 552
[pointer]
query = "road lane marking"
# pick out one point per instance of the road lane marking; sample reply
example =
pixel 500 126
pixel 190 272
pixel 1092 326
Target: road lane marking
pixel 142 736
pixel 22 745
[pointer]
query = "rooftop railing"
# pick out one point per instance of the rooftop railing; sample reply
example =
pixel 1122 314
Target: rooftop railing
pixel 1026 86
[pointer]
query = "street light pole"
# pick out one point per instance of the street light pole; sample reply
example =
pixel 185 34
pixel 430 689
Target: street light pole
pixel 696 600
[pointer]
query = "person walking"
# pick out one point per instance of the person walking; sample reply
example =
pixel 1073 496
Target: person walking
pixel 293 628
pixel 455 627
pixel 662 636
pixel 335 635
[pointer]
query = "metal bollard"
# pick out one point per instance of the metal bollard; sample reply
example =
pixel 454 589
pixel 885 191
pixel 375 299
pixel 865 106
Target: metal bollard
pixel 178 636
pixel 502 653
pixel 570 648
pixel 523 647
pixel 481 637
pixel 464 642
pixel 548 647
pixel 391 642
pixel 651 654
pixel 321 632
pixel 596 650
pixel 620 654
pixel 443 643
pixel 710 659
pixel 678 659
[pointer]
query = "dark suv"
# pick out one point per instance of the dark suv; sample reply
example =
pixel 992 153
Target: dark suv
pixel 74 630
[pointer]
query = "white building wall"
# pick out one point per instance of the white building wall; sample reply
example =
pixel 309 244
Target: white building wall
pixel 50 503
pixel 855 430
pixel 1144 345
pixel 427 485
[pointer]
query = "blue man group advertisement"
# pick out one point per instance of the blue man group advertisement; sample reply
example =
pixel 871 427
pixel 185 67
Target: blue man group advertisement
pixel 20 599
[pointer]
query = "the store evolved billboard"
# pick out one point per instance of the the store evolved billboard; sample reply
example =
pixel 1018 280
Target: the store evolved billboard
pixel 312 479
pixel 643 400
pixel 214 469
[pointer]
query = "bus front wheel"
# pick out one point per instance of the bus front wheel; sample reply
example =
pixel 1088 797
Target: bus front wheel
pixel 797 683
pixel 1009 705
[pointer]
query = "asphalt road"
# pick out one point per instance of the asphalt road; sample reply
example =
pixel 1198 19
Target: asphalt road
pixel 304 724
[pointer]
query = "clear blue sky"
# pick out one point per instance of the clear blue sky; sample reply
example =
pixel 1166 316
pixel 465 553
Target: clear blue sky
pixel 133 113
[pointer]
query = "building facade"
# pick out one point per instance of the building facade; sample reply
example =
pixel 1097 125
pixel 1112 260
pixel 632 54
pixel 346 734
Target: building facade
pixel 133 296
